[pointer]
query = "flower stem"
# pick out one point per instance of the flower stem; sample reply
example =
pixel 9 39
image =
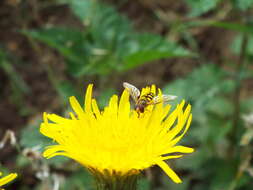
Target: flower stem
pixel 129 183
pixel 115 181
pixel 240 67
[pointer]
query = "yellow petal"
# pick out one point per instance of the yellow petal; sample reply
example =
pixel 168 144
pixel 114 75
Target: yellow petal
pixel 8 178
pixel 153 89
pixel 88 96
pixel 95 108
pixel 45 117
pixel 171 157
pixel 117 138
pixel 181 149
pixel 169 171
pixel 177 139
pixel 124 104
pixel 57 119
pixel 113 104
pixel 76 106
pixel 182 118
pixel 52 149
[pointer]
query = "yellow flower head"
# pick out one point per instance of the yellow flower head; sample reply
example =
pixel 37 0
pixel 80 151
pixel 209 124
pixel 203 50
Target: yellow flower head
pixel 7 179
pixel 117 140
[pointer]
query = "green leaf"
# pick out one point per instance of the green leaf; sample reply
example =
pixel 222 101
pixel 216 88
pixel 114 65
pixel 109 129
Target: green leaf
pixel 237 44
pixel 81 179
pixel 66 90
pixel 151 47
pixel 106 28
pixel 82 9
pixel 205 88
pixel 16 83
pixel 31 137
pixel 232 26
pixel 245 28
pixel 199 7
pixel 70 43
pixel 224 173
pixel 218 129
pixel 107 44
pixel 67 41
pixel 7 66
pixel 202 85
pixel 247 105
pixel 221 106
pixel 243 4
pixel 244 182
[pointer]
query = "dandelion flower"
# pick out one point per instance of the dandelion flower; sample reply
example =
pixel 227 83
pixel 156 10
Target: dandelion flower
pixel 7 179
pixel 117 141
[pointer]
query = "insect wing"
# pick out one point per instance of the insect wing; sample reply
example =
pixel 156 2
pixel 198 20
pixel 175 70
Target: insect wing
pixel 134 92
pixel 163 98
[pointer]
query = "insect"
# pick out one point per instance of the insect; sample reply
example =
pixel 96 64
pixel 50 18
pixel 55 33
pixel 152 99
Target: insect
pixel 142 101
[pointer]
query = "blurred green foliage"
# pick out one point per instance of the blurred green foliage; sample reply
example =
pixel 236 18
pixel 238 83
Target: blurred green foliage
pixel 211 108
pixel 105 45
pixel 199 7
pixel 243 4
pixel 16 84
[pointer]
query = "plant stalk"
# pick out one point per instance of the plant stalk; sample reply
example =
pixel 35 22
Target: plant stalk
pixel 236 99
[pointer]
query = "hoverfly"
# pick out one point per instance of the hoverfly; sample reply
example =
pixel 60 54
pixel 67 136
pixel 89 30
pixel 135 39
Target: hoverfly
pixel 142 101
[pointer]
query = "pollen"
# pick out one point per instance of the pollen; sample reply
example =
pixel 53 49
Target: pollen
pixel 115 139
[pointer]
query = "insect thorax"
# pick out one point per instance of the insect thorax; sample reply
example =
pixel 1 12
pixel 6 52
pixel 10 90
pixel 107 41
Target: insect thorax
pixel 147 97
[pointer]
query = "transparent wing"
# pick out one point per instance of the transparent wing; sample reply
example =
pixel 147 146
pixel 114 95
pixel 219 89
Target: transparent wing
pixel 163 98
pixel 133 91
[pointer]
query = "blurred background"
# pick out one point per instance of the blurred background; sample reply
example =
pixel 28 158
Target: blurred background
pixel 199 50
